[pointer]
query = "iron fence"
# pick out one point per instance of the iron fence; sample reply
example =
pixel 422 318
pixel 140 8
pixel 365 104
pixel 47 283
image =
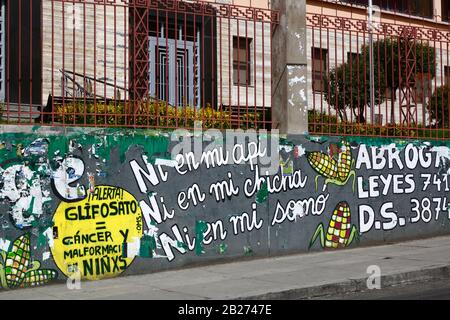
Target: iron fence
pixel 135 63
pixel 388 77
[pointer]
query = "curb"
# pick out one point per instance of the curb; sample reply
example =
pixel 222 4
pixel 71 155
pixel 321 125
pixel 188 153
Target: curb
pixel 355 285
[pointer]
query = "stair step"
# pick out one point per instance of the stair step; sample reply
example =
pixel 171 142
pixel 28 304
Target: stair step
pixel 14 112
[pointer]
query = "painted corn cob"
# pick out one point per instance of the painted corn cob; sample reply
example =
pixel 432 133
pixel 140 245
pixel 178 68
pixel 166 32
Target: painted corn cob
pixel 18 270
pixel 18 261
pixel 344 163
pixel 336 171
pixel 323 164
pixel 340 232
pixel 36 278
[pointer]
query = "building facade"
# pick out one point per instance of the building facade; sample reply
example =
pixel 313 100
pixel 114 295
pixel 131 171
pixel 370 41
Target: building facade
pixel 185 53
pixel 338 38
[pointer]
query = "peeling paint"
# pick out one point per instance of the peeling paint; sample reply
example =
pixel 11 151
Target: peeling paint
pixel 443 153
pixel 165 162
pixel 5 245
pixel 223 248
pixel 263 194
pixel 297 80
pixel 200 229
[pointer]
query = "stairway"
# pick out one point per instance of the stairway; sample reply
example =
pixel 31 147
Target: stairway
pixel 23 113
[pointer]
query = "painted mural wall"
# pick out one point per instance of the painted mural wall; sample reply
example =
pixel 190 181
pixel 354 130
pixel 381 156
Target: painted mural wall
pixel 94 204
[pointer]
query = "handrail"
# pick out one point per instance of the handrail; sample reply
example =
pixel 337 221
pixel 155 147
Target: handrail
pixel 92 78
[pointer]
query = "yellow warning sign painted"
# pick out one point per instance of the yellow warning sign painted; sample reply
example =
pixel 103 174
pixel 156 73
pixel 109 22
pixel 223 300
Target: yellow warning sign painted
pixel 92 236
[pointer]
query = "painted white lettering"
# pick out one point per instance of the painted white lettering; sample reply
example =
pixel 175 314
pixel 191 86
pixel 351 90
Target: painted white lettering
pixel 366 218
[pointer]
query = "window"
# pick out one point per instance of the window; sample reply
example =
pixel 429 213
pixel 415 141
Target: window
pixel 319 68
pixel 447 75
pixel 358 2
pixel 171 70
pixel 445 5
pixel 242 61
pixel 418 8
pixel 182 58
pixel 353 57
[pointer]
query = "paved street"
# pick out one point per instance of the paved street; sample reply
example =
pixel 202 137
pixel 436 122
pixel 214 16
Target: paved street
pixel 331 273
pixel 434 290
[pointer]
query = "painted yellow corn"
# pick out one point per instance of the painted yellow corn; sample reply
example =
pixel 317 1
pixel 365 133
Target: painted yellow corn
pixel 339 229
pixel 345 162
pixel 328 167
pixel 18 261
pixel 323 164
pixel 38 277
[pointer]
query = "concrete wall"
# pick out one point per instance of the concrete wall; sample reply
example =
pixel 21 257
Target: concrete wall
pixel 94 204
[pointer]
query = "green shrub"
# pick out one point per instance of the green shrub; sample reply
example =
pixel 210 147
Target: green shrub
pixel 438 106
pixel 150 114
pixel 320 123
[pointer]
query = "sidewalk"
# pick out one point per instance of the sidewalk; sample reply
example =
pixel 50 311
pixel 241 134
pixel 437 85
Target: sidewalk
pixel 291 277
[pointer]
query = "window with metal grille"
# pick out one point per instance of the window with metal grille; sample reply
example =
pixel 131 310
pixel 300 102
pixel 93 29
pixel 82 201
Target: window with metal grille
pixel 319 68
pixel 242 61
pixel 172 69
